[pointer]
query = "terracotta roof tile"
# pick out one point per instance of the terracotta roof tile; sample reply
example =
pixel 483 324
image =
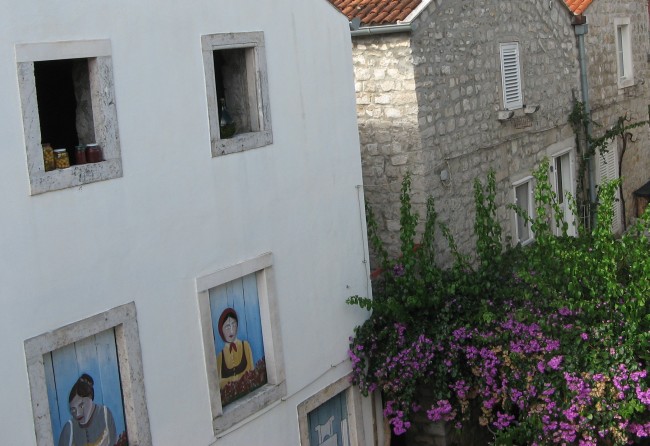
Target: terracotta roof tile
pixel 385 12
pixel 376 12
pixel 578 6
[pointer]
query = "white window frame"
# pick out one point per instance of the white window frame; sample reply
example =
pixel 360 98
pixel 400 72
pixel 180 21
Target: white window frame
pixel 353 401
pixel 530 210
pixel 511 79
pixel 225 417
pixel 123 320
pixel 624 65
pixel 258 90
pixel 100 70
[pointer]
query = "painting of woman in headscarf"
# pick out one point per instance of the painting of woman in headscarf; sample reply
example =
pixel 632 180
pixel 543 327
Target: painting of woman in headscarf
pixel 238 341
pixel 236 358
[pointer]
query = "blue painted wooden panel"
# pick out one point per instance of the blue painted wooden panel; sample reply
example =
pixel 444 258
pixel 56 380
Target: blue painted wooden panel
pixel 252 314
pixel 110 377
pixel 328 423
pixel 96 356
pixel 50 384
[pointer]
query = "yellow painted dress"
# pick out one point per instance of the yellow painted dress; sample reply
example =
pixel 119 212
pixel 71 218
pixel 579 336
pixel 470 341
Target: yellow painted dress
pixel 233 361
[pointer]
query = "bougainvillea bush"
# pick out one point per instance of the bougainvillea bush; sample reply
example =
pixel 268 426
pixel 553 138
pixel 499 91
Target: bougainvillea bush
pixel 543 344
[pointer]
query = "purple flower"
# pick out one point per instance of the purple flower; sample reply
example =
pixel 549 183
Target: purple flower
pixel 503 420
pixel 555 362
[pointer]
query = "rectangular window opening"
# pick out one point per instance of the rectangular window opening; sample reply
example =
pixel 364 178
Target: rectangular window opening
pixel 64 106
pixel 623 52
pixel 621 56
pixel 237 91
pixel 88 368
pixel 243 352
pixel 523 199
pixel 69 113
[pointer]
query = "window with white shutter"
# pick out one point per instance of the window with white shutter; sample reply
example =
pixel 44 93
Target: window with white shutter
pixel 607 170
pixel 511 76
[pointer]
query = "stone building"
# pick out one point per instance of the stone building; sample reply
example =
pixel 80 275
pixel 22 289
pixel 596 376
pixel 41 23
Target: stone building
pixel 617 51
pixel 449 90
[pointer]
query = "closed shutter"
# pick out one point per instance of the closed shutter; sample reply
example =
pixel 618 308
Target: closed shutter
pixel 607 164
pixel 511 76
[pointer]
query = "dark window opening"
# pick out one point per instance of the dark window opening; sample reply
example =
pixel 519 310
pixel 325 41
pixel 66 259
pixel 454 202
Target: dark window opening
pixel 64 103
pixel 235 84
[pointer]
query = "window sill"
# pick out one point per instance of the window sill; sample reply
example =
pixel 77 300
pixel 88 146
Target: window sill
pixel 75 176
pixel 242 142
pixel 239 410
pixel 625 83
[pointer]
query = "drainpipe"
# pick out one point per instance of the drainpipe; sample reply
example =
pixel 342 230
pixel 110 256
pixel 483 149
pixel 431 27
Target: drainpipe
pixel 382 29
pixel 580 28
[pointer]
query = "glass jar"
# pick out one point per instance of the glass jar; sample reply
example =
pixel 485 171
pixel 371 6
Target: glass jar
pixel 94 153
pixel 61 159
pixel 227 126
pixel 48 156
pixel 80 155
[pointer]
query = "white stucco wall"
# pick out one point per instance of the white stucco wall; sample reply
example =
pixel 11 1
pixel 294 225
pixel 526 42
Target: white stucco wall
pixel 177 212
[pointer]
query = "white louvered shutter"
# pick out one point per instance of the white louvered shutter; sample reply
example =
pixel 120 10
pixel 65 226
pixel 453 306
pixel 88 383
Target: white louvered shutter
pixel 511 76
pixel 607 169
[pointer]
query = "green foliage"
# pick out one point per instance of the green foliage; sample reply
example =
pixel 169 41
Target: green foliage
pixel 579 305
pixel 590 145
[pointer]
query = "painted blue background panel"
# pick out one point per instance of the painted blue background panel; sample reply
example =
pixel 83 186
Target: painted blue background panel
pixel 96 356
pixel 328 423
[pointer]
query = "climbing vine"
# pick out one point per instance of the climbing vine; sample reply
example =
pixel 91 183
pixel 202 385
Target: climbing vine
pixel 589 146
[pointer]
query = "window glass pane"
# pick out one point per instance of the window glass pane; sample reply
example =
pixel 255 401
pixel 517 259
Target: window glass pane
pixel 522 195
pixel 621 60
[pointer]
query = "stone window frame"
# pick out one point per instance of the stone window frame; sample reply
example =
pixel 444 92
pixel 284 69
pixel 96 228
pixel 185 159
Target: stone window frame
pixel 100 70
pixel 123 320
pixel 526 181
pixel 624 64
pixel 225 417
pixel 258 88
pixel 511 78
pixel 353 400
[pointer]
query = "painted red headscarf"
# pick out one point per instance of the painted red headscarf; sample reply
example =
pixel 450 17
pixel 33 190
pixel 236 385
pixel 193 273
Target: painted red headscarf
pixel 228 312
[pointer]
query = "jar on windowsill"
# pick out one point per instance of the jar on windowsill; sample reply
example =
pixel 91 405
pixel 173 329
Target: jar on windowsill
pixel 94 153
pixel 80 154
pixel 61 159
pixel 48 156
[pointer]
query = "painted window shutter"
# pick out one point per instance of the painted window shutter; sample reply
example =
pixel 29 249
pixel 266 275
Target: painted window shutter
pixel 511 76
pixel 608 170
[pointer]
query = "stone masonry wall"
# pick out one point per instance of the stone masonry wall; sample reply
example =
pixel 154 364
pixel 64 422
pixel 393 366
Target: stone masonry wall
pixel 449 68
pixel 387 112
pixel 608 102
